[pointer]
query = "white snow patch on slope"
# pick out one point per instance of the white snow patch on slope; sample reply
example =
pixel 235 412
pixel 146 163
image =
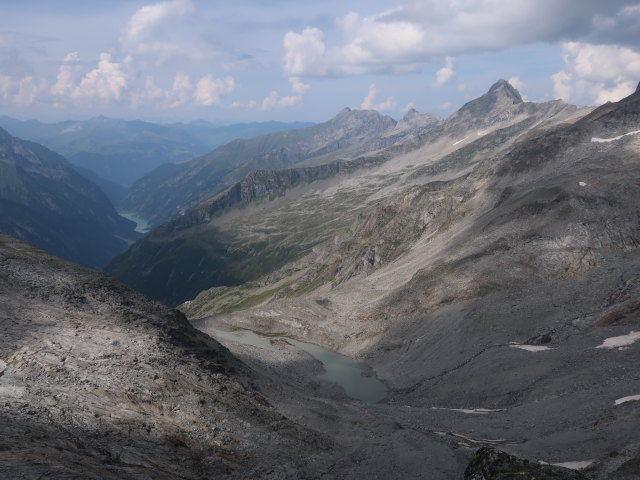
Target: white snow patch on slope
pixel 582 184
pixel 459 141
pixel 530 348
pixel 621 341
pixel 622 400
pixel 607 140
pixel 472 411
pixel 574 465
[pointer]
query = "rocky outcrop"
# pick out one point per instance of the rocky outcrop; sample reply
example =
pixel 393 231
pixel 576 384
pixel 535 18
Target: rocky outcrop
pixel 491 464
pixel 98 382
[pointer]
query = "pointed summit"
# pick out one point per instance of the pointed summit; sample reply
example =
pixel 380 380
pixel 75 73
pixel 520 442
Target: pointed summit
pixel 505 89
pixel 500 98
pixel 412 113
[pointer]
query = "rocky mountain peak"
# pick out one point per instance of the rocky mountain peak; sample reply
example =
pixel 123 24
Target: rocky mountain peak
pixel 504 89
pixel 361 120
pixel 412 113
pixel 501 101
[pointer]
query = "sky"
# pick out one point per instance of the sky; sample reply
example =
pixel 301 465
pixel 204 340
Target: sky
pixel 257 60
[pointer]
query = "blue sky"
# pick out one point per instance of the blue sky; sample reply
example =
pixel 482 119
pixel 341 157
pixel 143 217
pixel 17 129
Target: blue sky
pixel 254 60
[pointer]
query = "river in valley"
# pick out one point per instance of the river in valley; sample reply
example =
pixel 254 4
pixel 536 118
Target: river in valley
pixel 142 226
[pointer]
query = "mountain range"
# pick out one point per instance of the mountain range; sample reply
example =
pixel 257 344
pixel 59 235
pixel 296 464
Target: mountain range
pixel 121 151
pixel 173 189
pixel 482 269
pixel 218 245
pixel 486 269
pixel 47 203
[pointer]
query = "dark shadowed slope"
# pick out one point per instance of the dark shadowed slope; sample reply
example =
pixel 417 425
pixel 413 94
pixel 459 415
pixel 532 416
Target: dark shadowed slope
pixel 44 201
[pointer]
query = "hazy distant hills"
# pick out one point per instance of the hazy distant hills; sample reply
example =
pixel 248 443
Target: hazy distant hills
pixel 44 201
pixel 173 189
pixel 121 151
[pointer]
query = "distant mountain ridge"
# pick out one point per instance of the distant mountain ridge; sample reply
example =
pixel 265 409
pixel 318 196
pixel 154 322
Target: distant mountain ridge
pixel 205 248
pixel 47 203
pixel 122 151
pixel 172 190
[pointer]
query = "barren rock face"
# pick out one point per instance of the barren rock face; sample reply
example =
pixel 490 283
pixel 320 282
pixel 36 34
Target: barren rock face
pixel 491 464
pixel 98 382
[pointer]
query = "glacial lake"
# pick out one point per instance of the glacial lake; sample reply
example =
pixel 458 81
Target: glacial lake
pixel 142 226
pixel 355 378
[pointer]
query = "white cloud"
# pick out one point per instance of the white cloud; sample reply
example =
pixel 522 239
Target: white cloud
pixel 297 86
pixel 446 73
pixel 28 89
pixel 20 92
pixel 519 85
pixel 405 38
pixel 149 94
pixel 369 101
pixel 106 83
pixel 304 52
pixel 180 91
pixel 273 100
pixel 595 74
pixel 145 35
pixel 65 83
pixel 6 88
pixel 516 83
pixel 209 89
pixel 408 106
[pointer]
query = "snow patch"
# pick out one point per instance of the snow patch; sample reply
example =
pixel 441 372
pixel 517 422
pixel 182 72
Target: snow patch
pixel 574 465
pixel 631 398
pixel 471 411
pixel 459 141
pixel 607 140
pixel 73 128
pixel 582 184
pixel 530 348
pixel 621 341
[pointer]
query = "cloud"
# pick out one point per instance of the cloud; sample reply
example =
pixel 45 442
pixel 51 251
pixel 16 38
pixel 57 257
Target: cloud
pixel 106 83
pixel 65 83
pixel 209 89
pixel 518 85
pixel 273 100
pixel 369 101
pixel 446 73
pixel 28 89
pixel 408 37
pixel 304 52
pixel 6 88
pixel 595 74
pixel 149 94
pixel 146 34
pixel 180 91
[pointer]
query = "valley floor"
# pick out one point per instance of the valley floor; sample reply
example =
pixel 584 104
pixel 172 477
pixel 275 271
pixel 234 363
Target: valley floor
pixel 411 436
